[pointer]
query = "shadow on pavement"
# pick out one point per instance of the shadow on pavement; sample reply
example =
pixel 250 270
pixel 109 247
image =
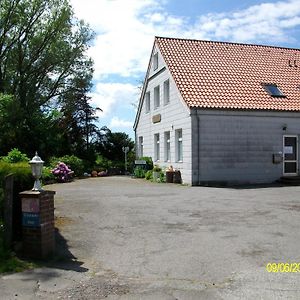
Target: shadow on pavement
pixel 63 257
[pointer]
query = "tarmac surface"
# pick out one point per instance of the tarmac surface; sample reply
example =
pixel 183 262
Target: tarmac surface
pixel 120 238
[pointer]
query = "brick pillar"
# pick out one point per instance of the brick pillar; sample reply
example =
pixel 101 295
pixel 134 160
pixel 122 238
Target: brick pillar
pixel 38 233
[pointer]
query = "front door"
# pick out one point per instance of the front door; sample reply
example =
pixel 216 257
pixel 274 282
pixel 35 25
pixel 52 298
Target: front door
pixel 290 155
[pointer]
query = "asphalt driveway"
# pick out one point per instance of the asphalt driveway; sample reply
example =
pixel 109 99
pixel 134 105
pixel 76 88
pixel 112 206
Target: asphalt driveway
pixel 123 238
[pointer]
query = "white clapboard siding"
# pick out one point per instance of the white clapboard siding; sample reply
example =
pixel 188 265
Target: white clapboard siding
pixel 175 115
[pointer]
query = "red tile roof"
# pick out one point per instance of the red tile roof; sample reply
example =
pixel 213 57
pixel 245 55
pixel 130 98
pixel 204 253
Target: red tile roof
pixel 230 76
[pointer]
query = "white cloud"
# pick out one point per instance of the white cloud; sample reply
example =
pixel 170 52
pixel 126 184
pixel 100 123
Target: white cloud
pixel 125 31
pixel 264 23
pixel 118 123
pixel 108 96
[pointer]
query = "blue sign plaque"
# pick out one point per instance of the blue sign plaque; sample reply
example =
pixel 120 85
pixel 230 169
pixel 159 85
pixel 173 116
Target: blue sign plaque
pixel 31 219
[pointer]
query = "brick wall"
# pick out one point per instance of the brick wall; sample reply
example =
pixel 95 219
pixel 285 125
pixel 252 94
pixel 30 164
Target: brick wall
pixel 38 223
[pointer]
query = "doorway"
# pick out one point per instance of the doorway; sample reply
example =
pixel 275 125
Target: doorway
pixel 290 155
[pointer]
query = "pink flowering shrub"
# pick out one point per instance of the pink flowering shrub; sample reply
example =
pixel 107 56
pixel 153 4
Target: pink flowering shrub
pixel 62 172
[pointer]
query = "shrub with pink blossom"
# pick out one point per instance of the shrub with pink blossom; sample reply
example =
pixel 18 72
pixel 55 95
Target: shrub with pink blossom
pixel 62 172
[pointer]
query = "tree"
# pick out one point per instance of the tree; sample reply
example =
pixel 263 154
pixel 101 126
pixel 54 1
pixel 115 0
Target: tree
pixel 111 146
pixel 42 59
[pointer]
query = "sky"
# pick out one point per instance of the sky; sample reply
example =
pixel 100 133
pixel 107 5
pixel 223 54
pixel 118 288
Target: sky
pixel 125 31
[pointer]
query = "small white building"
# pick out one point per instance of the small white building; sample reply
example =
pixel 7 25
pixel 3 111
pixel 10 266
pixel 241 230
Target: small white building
pixel 221 112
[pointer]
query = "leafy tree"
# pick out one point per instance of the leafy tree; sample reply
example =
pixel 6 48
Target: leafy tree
pixel 42 61
pixel 112 143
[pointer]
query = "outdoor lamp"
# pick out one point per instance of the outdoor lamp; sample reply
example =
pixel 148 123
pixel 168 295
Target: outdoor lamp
pixel 36 168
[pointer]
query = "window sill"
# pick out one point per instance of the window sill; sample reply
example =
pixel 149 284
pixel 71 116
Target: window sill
pixel 179 161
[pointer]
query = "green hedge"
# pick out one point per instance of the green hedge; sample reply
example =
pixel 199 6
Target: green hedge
pixel 22 177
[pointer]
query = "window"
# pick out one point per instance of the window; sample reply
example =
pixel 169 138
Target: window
pixel 167 146
pixel 147 100
pixel 156 147
pixel 155 61
pixel 141 146
pixel 156 97
pixel 273 90
pixel 166 92
pixel 178 146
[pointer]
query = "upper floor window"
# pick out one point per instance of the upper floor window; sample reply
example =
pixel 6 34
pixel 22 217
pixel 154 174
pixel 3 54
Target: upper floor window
pixel 178 146
pixel 155 61
pixel 156 97
pixel 147 102
pixel 273 90
pixel 166 92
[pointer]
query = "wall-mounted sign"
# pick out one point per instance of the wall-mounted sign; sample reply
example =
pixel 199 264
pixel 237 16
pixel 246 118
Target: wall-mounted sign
pixel 156 118
pixel 288 150
pixel 30 219
pixel 30 205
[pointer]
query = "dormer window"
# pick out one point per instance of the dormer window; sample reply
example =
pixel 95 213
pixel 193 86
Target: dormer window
pixel 273 90
pixel 155 61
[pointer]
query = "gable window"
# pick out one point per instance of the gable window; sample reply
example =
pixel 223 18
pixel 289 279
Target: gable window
pixel 166 92
pixel 167 146
pixel 141 146
pixel 273 90
pixel 155 61
pixel 156 97
pixel 156 147
pixel 147 102
pixel 178 145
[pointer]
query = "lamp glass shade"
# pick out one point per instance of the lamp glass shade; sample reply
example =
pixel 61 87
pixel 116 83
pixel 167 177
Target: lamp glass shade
pixel 36 168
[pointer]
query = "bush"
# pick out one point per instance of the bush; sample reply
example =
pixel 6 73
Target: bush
pixel 157 168
pixel 139 172
pixel 62 172
pixel 73 162
pixel 149 175
pixel 21 171
pixel 15 156
pixel 102 163
pixel 148 161
pixel 162 177
pixel 47 175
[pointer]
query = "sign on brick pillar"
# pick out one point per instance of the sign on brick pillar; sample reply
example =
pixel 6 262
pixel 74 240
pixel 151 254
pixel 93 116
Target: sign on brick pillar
pixel 38 234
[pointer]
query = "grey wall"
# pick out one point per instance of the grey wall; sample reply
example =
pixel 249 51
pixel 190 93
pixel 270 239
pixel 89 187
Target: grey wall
pixel 237 146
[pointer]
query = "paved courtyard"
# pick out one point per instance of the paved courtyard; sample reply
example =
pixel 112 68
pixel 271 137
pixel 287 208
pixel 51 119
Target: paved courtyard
pixel 123 238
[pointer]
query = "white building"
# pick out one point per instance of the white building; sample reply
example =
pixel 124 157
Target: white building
pixel 221 112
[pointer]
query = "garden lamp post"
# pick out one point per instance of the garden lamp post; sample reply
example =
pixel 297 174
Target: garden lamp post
pixel 36 168
pixel 125 150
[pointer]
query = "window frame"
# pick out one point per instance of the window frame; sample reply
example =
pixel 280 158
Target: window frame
pixel 147 102
pixel 179 145
pixel 167 146
pixel 156 147
pixel 266 86
pixel 141 146
pixel 166 88
pixel 155 61
pixel 156 97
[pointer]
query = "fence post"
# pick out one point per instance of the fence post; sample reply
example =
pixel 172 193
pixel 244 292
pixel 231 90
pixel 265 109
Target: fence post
pixel 8 210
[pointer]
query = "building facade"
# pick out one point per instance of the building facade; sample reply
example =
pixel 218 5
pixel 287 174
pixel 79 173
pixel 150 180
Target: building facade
pixel 221 112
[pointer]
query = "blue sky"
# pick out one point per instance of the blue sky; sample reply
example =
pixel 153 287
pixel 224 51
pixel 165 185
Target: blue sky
pixel 125 31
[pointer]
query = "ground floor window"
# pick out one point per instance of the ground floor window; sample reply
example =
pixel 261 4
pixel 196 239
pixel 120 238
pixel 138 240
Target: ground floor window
pixel 178 145
pixel 156 147
pixel 141 146
pixel 167 146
